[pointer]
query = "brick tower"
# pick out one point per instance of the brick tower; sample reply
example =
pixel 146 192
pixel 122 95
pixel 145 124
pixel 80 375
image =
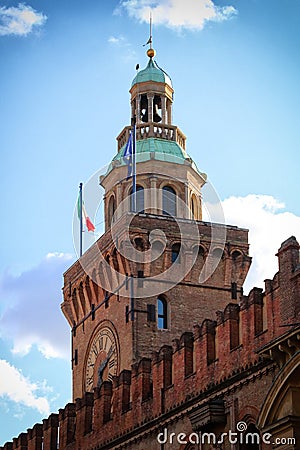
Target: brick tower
pixel 158 268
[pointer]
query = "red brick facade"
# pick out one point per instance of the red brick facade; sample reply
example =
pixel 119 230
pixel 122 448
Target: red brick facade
pixel 212 376
pixel 189 302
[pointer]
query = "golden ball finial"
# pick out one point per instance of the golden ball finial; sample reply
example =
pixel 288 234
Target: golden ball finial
pixel 151 52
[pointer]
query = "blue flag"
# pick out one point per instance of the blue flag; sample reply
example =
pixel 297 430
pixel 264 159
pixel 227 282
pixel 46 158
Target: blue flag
pixel 127 156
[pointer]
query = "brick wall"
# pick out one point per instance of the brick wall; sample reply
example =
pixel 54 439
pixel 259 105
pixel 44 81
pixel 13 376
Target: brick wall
pixel 213 360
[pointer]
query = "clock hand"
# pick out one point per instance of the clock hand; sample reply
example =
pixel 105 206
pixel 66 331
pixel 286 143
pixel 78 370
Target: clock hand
pixel 111 350
pixel 103 365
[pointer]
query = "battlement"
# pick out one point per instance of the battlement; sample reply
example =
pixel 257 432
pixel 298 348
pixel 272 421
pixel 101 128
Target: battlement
pixel 213 356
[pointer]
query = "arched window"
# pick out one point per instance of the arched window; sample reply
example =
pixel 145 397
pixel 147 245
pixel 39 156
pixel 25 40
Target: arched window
pixel 108 270
pixel 194 208
pixel 169 201
pixel 218 253
pixel 140 203
pixel 236 255
pixel 111 209
pixel 139 244
pixel 162 313
pixel 115 260
pixel 201 251
pixel 175 253
pixel 157 256
pixel 95 284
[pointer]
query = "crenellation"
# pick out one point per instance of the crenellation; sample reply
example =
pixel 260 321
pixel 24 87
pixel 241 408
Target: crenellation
pixel 124 384
pixel 50 432
pixel 102 404
pixel 144 378
pixel 231 314
pixel 212 355
pixel 21 442
pixel 84 414
pixel 289 280
pixel 67 423
pixel 35 437
pixel 7 446
pixel 207 331
pixel 187 344
pixel 164 358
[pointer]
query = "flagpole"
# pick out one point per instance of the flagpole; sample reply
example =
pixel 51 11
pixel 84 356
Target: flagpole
pixel 133 123
pixel 80 220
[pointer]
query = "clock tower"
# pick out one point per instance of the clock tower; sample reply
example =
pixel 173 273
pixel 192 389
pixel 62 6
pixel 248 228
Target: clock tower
pixel 158 268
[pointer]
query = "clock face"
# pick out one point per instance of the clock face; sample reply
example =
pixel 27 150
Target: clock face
pixel 103 359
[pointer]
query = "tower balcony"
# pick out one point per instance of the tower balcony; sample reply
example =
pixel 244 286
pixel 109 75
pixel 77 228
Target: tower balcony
pixel 153 130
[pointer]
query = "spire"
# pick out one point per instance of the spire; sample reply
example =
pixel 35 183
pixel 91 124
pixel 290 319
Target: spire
pixel 150 52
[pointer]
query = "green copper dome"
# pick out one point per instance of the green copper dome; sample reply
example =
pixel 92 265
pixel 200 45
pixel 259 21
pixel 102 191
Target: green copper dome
pixel 157 149
pixel 152 73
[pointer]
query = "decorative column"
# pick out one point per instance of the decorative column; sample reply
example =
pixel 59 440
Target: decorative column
pixel 150 107
pixel 133 107
pixel 159 200
pixel 169 110
pixel 154 193
pixel 185 214
pixel 105 212
pixel 200 207
pixel 138 108
pixel 118 206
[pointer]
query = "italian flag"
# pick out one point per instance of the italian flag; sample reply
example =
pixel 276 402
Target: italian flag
pixel 85 218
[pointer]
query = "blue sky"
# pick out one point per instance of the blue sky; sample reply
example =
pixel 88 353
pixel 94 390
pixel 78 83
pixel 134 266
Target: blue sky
pixel 66 68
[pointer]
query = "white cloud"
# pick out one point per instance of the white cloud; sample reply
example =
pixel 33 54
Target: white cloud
pixel 32 315
pixel 20 20
pixel 190 14
pixel 268 227
pixel 19 389
pixel 116 40
pixel 122 43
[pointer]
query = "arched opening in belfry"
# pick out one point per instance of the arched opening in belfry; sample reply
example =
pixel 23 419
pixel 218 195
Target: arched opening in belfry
pixel 157 109
pixel 144 108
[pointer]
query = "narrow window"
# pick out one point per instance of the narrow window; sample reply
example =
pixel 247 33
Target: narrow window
pixel 111 210
pixel 139 199
pixel 194 208
pixel 175 253
pixel 162 310
pixel 169 201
